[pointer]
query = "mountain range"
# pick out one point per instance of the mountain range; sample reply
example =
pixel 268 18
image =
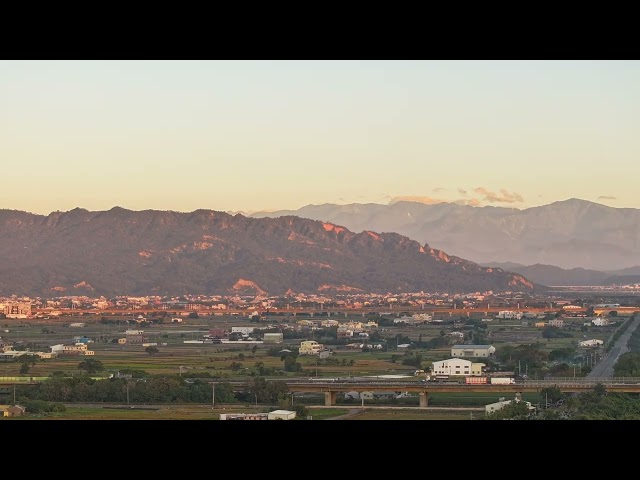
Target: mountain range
pixel 125 252
pixel 556 276
pixel 569 234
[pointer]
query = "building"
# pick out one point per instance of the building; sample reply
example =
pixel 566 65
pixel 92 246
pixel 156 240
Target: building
pixel 591 343
pixel 17 309
pixel 273 338
pixel 243 330
pixel 484 351
pixel 135 337
pixel 344 332
pixel 494 407
pixel 324 353
pixel 281 415
pixel 12 410
pixel 457 366
pixel 600 321
pixel 509 314
pixel 244 416
pixel 556 322
pixel 77 325
pixel 329 323
pixel 310 347
pixel 46 355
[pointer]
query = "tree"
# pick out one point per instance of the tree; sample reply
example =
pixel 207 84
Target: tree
pixel 91 365
pixel 193 315
pixel 551 394
pixel 253 350
pixel 290 364
pixel 600 390
pixel 513 411
pixel 151 350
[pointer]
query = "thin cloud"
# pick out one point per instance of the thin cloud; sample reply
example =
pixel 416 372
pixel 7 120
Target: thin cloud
pixel 474 202
pixel 410 198
pixel 607 197
pixel 462 192
pixel 438 189
pixel 503 197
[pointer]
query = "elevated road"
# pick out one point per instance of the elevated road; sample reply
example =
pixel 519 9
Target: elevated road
pixel 300 311
pixel 567 385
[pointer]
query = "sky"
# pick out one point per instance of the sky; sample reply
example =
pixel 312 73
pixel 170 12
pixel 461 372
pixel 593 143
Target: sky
pixel 269 135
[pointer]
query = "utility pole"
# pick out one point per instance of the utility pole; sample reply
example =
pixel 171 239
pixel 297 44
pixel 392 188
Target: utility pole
pixel 213 394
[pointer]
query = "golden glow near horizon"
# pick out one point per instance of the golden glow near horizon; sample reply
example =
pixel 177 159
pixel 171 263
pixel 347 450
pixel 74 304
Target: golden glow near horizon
pixel 265 135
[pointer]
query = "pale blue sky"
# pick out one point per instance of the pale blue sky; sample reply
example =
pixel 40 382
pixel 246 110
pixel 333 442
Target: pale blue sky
pixel 258 135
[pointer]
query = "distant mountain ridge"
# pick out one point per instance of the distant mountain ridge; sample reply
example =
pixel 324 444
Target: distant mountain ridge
pixel 572 233
pixel 556 276
pixel 124 252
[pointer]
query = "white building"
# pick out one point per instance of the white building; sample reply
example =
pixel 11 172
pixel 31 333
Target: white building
pixel 452 366
pixel 591 343
pixel 281 415
pixel 243 330
pixel 600 321
pixel 134 332
pixel 493 407
pixel 483 351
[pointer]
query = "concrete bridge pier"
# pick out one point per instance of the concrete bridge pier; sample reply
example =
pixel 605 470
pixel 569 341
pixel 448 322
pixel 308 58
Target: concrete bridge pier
pixel 424 399
pixel 329 398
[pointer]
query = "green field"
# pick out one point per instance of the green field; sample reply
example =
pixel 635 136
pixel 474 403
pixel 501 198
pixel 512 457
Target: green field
pixel 228 361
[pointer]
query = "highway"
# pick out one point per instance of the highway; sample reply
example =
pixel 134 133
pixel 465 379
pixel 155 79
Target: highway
pixel 604 369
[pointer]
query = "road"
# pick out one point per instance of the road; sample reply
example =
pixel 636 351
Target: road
pixel 605 367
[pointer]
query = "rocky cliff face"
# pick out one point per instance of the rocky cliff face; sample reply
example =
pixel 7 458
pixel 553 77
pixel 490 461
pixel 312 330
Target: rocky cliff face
pixel 163 252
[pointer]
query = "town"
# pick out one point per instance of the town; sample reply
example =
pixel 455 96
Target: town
pixel 426 340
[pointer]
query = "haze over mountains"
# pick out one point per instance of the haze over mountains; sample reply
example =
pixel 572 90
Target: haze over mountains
pixel 568 234
pixel 124 252
pixel 556 276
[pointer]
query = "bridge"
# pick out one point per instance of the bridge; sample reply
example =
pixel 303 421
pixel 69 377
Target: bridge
pixel 330 389
pixel 396 310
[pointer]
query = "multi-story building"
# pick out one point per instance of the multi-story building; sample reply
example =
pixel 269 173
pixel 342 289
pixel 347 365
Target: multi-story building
pixel 17 309
pixel 457 366
pixel 135 336
pixel 310 347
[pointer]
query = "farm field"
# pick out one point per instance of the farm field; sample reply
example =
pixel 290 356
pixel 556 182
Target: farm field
pixel 234 360
pixel 245 361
